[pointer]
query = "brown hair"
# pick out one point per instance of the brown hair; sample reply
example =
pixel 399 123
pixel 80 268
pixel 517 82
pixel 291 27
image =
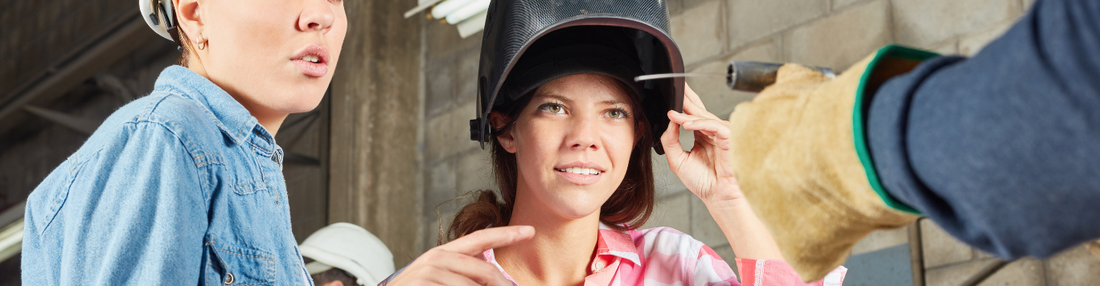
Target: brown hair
pixel 628 208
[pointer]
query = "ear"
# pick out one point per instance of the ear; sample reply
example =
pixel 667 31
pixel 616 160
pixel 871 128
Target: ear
pixel 507 140
pixel 334 283
pixel 190 19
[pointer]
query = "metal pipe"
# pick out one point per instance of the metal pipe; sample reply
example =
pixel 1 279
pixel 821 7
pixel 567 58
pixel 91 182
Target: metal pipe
pixel 755 76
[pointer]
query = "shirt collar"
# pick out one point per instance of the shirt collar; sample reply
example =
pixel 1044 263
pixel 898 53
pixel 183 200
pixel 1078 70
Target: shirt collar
pixel 613 243
pixel 232 117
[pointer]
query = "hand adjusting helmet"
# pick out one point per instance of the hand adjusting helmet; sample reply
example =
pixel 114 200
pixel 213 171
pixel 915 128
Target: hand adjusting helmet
pixel 528 43
pixel 160 15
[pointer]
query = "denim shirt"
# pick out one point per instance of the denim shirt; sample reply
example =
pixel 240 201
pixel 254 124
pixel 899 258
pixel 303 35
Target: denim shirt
pixel 180 187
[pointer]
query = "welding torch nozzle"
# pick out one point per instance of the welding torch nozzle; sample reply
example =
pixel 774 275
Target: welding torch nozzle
pixel 755 76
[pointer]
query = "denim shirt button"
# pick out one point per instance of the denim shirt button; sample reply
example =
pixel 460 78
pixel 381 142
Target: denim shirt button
pixel 228 278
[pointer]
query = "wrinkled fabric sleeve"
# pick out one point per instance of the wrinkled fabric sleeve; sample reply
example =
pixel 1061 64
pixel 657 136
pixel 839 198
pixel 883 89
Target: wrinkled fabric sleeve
pixel 131 213
pixel 778 272
pixel 997 149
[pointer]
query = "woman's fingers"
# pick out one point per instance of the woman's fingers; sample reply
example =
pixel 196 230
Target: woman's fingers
pixel 709 126
pixel 694 105
pixel 479 241
pixel 474 270
pixel 457 262
pixel 446 269
pixel 671 140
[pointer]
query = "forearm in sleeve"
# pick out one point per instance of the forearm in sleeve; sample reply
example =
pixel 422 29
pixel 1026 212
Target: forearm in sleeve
pixel 1002 150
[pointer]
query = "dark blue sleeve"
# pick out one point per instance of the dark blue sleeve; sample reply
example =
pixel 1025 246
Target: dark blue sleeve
pixel 1002 150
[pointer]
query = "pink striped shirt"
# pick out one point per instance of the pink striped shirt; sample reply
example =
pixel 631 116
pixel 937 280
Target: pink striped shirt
pixel 665 256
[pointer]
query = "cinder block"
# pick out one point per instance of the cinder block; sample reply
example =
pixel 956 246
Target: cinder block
pixel 443 42
pixel 840 39
pixel 948 47
pixel 716 96
pixel 451 81
pixel 751 20
pixel 841 4
pixel 437 96
pixel 475 171
pixel 688 4
pixel 1073 267
pixel 703 226
pixel 465 76
pixel 955 274
pixel 1025 271
pixel 449 133
pixel 441 186
pixel 1027 4
pixel 940 248
pixel 675 7
pixel 969 45
pixel 664 181
pixel 433 228
pixel 881 239
pixel 1021 272
pixel 674 212
pixel 699 32
pixel 921 23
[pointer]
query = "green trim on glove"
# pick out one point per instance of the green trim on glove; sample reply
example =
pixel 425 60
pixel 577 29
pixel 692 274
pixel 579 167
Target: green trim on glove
pixel 888 62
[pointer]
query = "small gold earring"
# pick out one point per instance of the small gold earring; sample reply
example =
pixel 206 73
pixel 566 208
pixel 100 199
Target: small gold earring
pixel 202 45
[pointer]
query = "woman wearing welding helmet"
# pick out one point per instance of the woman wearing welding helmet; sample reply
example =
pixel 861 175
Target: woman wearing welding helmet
pixel 570 133
pixel 185 185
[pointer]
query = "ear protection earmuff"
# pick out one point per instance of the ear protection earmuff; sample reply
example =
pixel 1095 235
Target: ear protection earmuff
pixel 160 15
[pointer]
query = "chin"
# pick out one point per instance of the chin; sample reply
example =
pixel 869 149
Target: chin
pixel 577 206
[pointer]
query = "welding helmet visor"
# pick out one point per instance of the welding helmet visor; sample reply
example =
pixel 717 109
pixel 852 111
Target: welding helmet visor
pixel 529 43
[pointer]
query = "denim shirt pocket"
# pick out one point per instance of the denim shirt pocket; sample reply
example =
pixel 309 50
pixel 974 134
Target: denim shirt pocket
pixel 235 265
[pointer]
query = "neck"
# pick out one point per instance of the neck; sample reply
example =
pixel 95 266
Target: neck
pixel 559 254
pixel 270 120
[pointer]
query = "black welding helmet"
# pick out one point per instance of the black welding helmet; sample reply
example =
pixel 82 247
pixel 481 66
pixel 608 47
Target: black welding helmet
pixel 528 43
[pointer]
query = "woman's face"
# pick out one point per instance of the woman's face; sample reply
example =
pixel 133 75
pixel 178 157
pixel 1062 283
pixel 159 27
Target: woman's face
pixel 572 144
pixel 274 56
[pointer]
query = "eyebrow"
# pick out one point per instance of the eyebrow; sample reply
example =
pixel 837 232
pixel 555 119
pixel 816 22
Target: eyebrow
pixel 567 100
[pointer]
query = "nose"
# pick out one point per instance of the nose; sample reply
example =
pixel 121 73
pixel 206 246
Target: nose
pixel 317 15
pixel 584 134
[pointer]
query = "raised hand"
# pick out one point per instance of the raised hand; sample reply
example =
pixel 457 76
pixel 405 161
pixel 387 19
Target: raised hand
pixel 459 262
pixel 706 168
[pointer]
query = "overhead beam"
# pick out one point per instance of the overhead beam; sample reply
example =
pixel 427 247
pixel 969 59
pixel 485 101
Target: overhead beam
pixel 126 38
pixel 83 126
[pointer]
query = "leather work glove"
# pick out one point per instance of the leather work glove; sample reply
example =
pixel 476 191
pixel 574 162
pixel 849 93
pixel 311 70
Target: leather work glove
pixel 1094 247
pixel 796 158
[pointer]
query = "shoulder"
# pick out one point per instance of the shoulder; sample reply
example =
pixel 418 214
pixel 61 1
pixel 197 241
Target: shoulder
pixel 162 116
pixel 667 240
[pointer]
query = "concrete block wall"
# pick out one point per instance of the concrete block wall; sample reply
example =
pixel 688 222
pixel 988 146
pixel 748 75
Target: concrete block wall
pixel 710 33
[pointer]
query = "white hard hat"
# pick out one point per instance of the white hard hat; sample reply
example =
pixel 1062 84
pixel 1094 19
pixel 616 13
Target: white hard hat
pixel 350 248
pixel 160 16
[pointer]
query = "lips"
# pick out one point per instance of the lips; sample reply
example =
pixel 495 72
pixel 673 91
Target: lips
pixel 580 173
pixel 312 60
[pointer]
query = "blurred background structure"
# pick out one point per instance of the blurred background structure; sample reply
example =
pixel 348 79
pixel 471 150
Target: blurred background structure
pixel 390 146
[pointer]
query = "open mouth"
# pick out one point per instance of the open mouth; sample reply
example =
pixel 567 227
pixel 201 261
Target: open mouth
pixel 311 58
pixel 580 171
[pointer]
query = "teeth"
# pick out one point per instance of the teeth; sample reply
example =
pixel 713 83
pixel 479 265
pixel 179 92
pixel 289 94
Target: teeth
pixel 311 58
pixel 581 171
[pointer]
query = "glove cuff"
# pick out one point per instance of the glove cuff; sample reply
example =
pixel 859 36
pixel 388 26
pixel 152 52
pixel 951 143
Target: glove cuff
pixel 888 62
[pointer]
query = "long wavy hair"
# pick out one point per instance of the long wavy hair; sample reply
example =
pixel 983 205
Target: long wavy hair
pixel 629 207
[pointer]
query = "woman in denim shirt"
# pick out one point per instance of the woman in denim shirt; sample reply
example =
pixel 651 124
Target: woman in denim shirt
pixel 185 185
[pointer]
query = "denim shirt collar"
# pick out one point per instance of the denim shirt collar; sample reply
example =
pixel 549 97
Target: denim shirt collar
pixel 233 119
